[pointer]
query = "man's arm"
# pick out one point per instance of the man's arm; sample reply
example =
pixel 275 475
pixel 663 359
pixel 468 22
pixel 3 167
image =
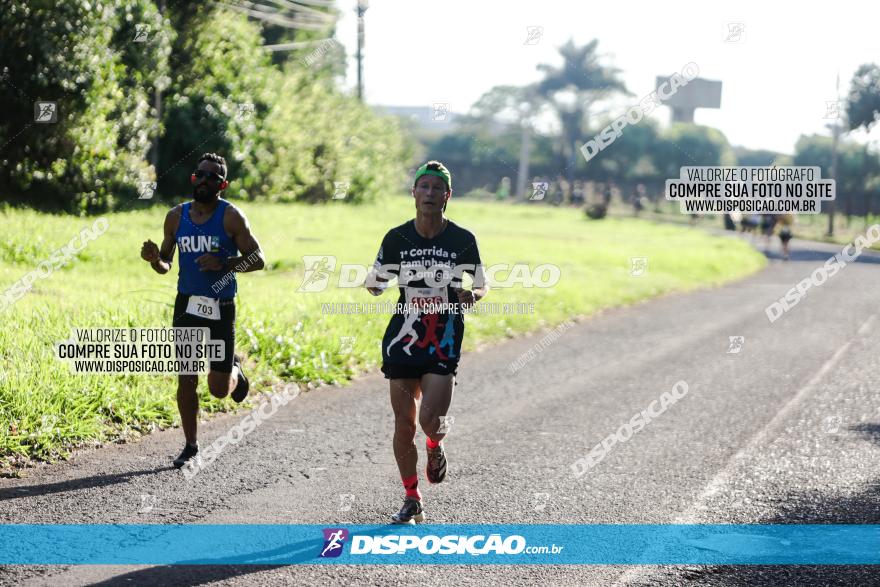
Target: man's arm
pixel 379 274
pixel 240 230
pixel 160 258
pixel 480 287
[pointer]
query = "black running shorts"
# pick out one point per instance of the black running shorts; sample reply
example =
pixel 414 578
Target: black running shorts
pixel 399 371
pixel 222 329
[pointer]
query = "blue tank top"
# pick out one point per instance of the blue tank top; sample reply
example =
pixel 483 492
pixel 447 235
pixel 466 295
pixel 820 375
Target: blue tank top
pixel 193 241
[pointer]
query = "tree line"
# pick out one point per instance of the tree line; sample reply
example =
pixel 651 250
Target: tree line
pixel 142 88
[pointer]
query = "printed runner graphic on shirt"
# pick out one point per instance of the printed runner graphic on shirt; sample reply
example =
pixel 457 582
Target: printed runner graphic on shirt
pixel 420 334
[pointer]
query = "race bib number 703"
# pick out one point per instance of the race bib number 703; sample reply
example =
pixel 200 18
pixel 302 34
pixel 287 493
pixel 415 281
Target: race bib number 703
pixel 203 307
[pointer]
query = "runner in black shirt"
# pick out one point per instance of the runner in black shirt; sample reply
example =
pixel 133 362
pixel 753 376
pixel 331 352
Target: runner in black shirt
pixel 422 344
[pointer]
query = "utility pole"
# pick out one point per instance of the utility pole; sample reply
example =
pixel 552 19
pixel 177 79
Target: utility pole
pixel 522 176
pixel 157 104
pixel 362 6
pixel 835 136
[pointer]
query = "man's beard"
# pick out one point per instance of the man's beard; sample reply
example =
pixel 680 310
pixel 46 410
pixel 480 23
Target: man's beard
pixel 204 195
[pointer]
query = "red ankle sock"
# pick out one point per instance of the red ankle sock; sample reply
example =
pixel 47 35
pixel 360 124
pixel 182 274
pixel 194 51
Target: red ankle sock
pixel 411 484
pixel 431 443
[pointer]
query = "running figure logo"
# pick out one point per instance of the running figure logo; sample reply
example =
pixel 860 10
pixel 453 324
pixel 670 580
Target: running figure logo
pixel 430 338
pixel 341 189
pixel 735 32
pixel 245 111
pixel 148 502
pixel 736 344
pixel 408 329
pixel 831 424
pixel 146 189
pixel 318 271
pixel 539 190
pixel 448 340
pixel 534 34
pixel 334 540
pixel 141 33
pixel 639 266
pixel 45 112
pixel 445 424
pixel 832 109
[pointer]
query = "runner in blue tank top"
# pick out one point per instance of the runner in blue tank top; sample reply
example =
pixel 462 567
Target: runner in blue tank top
pixel 215 243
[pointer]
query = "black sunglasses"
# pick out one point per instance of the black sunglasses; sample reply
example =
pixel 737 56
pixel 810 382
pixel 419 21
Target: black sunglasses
pixel 200 173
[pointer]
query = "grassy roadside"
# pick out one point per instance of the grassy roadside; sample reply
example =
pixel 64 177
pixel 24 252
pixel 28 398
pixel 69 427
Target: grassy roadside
pixel 45 410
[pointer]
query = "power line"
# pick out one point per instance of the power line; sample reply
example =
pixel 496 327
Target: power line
pixel 294 45
pixel 277 19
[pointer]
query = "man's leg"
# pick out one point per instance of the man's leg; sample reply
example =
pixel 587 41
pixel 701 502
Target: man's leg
pixel 222 384
pixel 188 405
pixel 437 391
pixel 404 393
pixel 223 378
pixel 436 398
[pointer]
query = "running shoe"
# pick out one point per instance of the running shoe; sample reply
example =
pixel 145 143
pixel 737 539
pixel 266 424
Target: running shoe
pixel 410 513
pixel 436 468
pixel 241 389
pixel 189 452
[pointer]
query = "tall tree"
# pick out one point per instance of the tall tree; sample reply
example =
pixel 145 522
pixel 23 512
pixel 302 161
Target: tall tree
pixel 505 105
pixel 94 68
pixel 863 102
pixel 684 144
pixel 572 88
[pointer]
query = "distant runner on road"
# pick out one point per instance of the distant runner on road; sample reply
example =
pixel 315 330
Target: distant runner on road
pixel 209 232
pixel 786 221
pixel 422 345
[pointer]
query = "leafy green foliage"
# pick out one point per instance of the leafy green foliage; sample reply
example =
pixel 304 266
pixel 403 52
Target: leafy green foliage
pixel 684 144
pixel 863 103
pixel 134 86
pixel 80 55
pixel 858 167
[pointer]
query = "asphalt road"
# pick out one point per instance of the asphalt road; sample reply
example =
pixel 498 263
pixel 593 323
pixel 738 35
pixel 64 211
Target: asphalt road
pixel 786 430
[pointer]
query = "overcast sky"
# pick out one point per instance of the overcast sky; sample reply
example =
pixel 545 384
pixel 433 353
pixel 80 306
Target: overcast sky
pixel 777 77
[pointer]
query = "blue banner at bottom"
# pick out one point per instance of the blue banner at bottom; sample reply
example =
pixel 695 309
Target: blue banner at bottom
pixel 243 544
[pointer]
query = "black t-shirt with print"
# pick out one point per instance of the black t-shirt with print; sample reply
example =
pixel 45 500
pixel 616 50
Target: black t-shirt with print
pixel 417 337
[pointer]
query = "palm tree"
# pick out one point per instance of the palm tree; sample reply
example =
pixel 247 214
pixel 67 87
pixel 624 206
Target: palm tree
pixel 572 89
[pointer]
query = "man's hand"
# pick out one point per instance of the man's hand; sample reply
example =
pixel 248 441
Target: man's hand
pixel 377 290
pixel 209 262
pixel 465 297
pixel 381 283
pixel 150 251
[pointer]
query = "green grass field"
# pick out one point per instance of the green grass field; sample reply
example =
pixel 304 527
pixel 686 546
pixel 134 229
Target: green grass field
pixel 45 410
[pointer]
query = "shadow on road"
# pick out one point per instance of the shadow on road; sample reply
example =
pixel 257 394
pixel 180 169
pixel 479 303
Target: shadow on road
pixel 200 572
pixel 185 575
pixel 810 507
pixel 76 484
pixel 815 255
